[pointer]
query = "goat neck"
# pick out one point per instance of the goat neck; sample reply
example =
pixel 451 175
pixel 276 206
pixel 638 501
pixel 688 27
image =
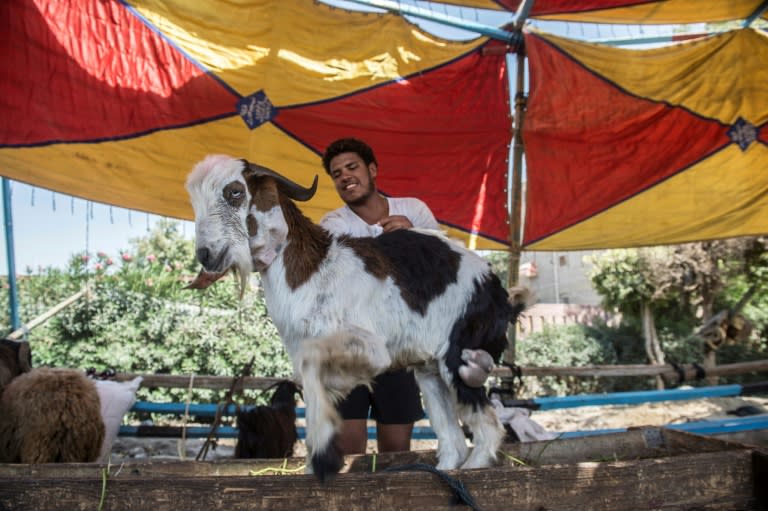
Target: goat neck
pixel 306 245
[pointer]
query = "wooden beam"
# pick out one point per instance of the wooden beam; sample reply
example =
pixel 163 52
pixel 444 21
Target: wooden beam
pixel 670 483
pixel 255 382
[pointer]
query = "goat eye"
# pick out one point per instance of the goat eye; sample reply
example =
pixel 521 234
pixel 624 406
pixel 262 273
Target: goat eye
pixel 234 194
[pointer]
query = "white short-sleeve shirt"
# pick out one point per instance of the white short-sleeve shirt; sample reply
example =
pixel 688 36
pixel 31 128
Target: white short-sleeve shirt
pixel 345 221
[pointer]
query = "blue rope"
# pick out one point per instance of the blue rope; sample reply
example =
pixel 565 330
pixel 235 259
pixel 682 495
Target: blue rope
pixel 460 493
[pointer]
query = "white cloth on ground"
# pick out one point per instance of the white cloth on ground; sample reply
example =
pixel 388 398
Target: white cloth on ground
pixel 519 419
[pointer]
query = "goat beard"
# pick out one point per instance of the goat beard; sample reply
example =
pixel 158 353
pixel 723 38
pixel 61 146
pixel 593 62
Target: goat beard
pixel 204 279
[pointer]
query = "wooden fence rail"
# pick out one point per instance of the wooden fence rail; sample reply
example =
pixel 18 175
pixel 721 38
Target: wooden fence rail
pixel 690 372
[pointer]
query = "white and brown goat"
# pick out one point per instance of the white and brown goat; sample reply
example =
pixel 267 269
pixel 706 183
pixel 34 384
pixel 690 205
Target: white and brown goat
pixel 350 308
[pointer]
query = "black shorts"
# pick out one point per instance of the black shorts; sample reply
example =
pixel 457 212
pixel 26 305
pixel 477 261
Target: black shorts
pixel 395 399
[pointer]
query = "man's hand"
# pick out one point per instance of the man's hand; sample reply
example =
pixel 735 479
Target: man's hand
pixel 395 222
pixel 477 366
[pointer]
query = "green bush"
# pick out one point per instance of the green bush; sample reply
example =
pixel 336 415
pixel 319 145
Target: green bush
pixel 568 346
pixel 137 316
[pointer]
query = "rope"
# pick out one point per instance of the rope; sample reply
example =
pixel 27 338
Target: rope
pixel 185 419
pixel 228 400
pixel 460 493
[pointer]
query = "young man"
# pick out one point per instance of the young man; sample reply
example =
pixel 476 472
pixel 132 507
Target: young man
pixel 395 400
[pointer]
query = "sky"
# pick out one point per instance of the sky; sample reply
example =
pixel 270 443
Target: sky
pixel 49 228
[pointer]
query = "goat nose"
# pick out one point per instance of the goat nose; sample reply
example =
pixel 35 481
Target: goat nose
pixel 203 255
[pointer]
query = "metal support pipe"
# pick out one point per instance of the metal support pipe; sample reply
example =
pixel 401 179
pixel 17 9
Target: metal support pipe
pixel 510 38
pixel 758 12
pixel 13 299
pixel 523 10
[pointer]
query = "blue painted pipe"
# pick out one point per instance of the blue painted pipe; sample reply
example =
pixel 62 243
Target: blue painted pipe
pixel 702 427
pixel 196 409
pixel 13 299
pixel 540 403
pixel 419 432
pixel 645 396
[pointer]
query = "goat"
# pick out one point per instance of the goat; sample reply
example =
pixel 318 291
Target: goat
pixel 349 308
pixel 50 415
pixel 269 431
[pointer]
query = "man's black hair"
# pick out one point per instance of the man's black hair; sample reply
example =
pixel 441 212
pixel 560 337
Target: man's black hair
pixel 348 145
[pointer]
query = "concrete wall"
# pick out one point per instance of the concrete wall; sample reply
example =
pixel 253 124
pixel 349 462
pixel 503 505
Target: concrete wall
pixel 559 277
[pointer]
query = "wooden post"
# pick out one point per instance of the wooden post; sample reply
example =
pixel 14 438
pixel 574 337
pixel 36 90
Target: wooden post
pixel 42 318
pixel 515 213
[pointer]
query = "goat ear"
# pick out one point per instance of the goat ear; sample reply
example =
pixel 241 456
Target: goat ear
pixel 25 357
pixel 292 190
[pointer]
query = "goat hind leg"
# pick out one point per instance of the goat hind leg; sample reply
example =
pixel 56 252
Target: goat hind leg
pixel 487 433
pixel 441 407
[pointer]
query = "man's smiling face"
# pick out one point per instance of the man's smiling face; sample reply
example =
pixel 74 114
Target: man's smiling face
pixel 353 179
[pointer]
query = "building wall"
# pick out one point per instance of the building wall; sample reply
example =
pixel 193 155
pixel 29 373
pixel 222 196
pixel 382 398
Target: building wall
pixel 558 277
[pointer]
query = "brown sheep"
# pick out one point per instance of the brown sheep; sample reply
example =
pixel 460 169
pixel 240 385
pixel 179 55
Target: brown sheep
pixel 50 415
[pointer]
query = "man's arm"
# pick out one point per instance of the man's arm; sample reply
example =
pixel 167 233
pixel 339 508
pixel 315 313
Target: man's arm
pixel 411 212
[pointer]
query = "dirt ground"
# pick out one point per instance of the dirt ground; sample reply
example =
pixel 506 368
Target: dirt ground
pixel 569 419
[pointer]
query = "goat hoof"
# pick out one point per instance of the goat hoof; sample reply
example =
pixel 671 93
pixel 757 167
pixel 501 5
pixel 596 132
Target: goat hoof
pixel 328 463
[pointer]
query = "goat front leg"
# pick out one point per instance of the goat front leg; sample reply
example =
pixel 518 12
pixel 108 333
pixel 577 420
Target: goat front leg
pixel 452 447
pixel 330 367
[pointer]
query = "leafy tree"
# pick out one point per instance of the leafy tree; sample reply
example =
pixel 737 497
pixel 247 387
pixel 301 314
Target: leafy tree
pixel 683 286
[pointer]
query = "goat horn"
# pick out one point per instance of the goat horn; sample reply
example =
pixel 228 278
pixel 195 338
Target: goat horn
pixel 291 189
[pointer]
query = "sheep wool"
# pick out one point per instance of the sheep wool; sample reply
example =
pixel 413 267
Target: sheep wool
pixel 50 415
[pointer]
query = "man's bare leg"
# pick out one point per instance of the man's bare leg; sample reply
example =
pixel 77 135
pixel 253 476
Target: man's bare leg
pixel 394 437
pixel 353 437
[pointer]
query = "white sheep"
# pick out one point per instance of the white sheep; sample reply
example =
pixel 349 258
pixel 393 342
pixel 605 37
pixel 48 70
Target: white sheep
pixel 349 308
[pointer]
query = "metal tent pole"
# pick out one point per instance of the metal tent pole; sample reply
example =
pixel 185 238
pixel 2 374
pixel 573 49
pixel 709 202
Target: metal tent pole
pixel 444 19
pixel 758 12
pixel 13 300
pixel 516 208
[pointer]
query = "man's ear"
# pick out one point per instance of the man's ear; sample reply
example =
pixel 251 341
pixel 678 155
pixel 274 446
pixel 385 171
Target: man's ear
pixel 373 169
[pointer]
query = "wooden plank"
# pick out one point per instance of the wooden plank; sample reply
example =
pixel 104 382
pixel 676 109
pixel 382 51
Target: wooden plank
pixel 636 370
pixel 760 476
pixel 198 381
pixel 672 483
pixel 627 445
pixel 641 443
